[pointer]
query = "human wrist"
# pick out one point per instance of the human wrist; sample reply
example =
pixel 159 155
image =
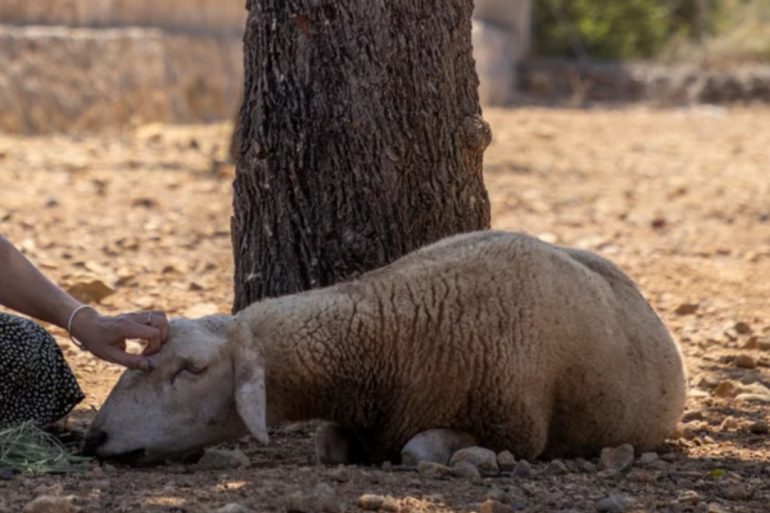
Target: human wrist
pixel 81 318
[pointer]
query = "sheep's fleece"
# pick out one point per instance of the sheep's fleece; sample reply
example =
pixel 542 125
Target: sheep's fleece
pixel 525 346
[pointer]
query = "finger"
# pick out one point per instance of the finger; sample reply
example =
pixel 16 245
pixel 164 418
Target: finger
pixel 160 321
pixel 132 361
pixel 152 347
pixel 141 331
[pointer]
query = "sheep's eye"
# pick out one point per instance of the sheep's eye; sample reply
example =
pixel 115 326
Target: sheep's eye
pixel 190 369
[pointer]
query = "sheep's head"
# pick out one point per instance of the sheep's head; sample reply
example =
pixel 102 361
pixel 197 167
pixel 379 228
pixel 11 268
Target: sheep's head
pixel 206 386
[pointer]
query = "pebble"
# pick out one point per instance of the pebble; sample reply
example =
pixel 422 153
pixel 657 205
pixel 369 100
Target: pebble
pixel 728 424
pixel 6 474
pixel 50 504
pixel 612 504
pixel 340 474
pixel 493 506
pixel 688 497
pixel 466 470
pixel 218 459
pixel 370 502
pixel 557 468
pixel 322 499
pixel 482 458
pixel 617 459
pixel 585 466
pixel 687 309
pixel 759 427
pixel 433 470
pixel 742 328
pixel 506 461
pixel 648 458
pixel 735 492
pixel 233 507
pixel 745 361
pixel 523 469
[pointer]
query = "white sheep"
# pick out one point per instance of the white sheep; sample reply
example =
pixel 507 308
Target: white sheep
pixel 493 338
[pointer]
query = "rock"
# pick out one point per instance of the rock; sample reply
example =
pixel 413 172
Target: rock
pixel 523 469
pixel 688 497
pixel 233 507
pixel 435 445
pixel 687 309
pixel 219 459
pixel 728 424
pixel 50 504
pixel 492 506
pixel 612 504
pixel 759 427
pixel 368 502
pixel 556 467
pixel 466 470
pixel 585 466
pixel 745 361
pixel 90 291
pixel 340 474
pixel 322 499
pixel 648 458
pixel 433 470
pixel 617 459
pixel 505 461
pixel 482 458
pixel 715 508
pixel 6 474
pixel 742 328
pixel 640 476
pixel 735 492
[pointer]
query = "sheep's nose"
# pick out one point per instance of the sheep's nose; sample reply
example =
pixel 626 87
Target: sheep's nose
pixel 94 439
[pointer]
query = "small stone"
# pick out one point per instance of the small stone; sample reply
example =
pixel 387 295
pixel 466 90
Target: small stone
pixel 6 474
pixel 648 458
pixel 322 499
pixel 687 309
pixel 522 470
pixel 387 466
pixel 715 508
pixel 233 507
pixel 728 424
pixel 640 476
pixel 617 459
pixel 585 466
pixel 466 470
pixel 370 502
pixel 484 459
pixel 50 504
pixel 726 389
pixel 505 461
pixel 735 492
pixel 433 470
pixel 556 467
pixel 759 427
pixel 742 328
pixel 218 459
pixel 688 497
pixel 340 474
pixel 492 506
pixel 745 361
pixel 612 504
pixel 692 415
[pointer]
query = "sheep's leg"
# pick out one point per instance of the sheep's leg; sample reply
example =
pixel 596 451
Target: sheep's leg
pixel 338 445
pixel 435 445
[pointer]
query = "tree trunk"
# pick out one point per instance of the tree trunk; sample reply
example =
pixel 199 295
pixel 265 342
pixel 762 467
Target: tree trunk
pixel 360 139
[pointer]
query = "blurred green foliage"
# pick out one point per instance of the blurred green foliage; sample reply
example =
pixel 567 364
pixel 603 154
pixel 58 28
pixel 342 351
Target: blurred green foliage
pixel 620 29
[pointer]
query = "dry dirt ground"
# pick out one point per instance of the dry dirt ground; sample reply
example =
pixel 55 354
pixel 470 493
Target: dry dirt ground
pixel 680 199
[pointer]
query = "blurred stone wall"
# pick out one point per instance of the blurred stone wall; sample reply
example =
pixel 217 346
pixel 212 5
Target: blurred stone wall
pixel 82 65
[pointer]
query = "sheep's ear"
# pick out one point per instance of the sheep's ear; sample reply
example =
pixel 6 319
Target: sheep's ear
pixel 249 373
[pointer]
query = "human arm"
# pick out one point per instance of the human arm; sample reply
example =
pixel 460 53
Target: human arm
pixel 25 289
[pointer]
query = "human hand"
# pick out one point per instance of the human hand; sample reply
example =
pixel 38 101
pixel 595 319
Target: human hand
pixel 105 336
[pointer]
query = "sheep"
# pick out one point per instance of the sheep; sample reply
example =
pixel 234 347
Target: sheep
pixel 491 338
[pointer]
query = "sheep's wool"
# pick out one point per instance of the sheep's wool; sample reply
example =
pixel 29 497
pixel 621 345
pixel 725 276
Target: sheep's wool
pixel 35 382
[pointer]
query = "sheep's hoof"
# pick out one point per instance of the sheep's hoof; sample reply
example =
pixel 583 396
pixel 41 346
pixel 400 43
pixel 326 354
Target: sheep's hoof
pixel 338 445
pixel 435 445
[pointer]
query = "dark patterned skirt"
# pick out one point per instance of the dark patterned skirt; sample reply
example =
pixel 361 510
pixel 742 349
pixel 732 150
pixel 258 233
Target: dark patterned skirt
pixel 36 384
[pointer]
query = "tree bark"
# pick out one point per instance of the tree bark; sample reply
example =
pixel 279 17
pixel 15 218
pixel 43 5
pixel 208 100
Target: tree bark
pixel 360 139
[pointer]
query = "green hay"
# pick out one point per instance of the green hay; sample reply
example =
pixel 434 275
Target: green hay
pixel 27 449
